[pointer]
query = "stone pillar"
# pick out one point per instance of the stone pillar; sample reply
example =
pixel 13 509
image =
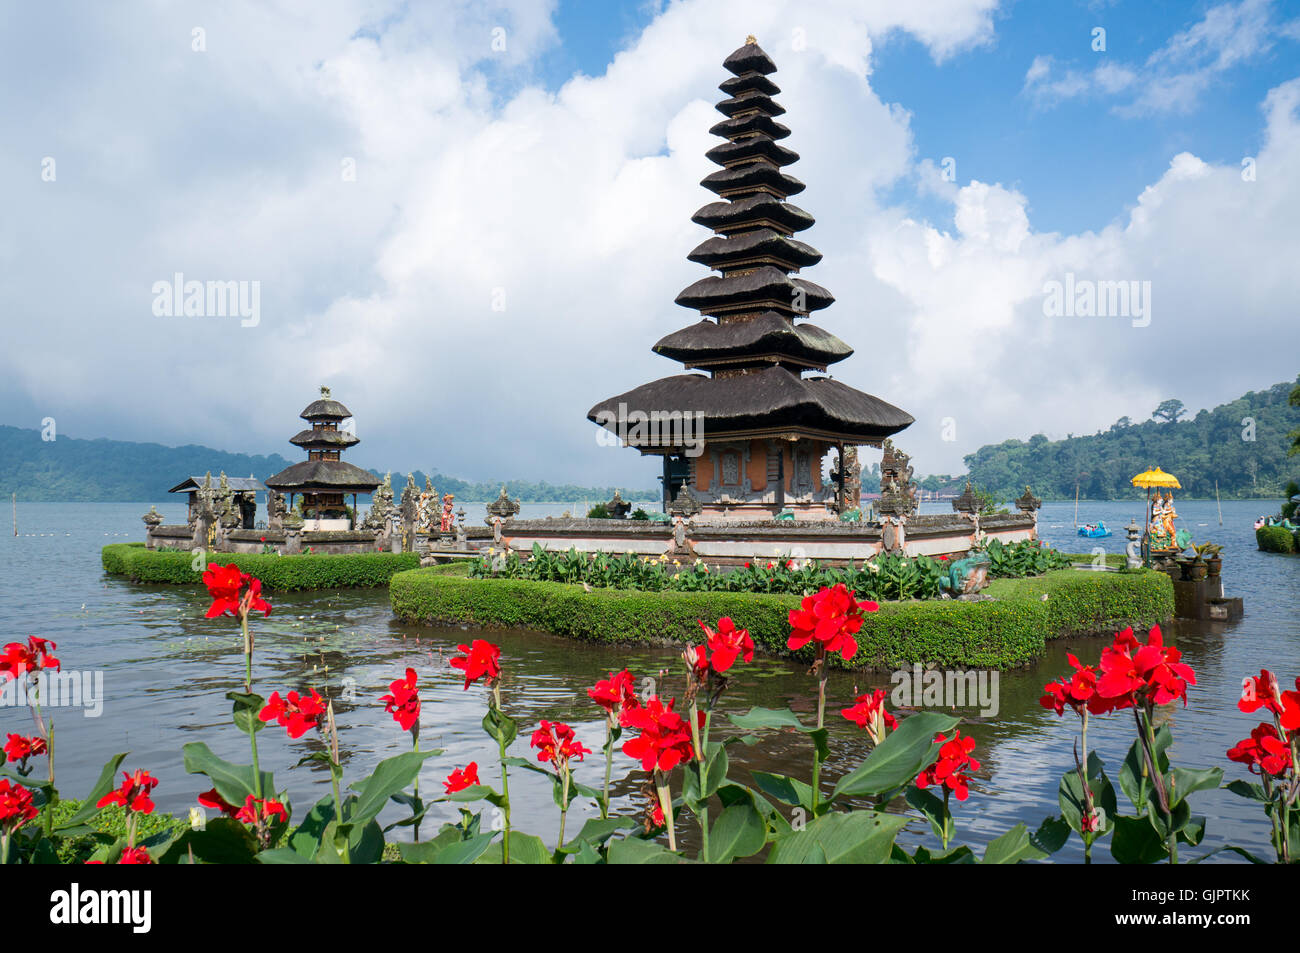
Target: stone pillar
pixel 1133 550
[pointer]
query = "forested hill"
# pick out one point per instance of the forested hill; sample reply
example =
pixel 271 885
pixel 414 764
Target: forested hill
pixel 104 471
pixel 1213 445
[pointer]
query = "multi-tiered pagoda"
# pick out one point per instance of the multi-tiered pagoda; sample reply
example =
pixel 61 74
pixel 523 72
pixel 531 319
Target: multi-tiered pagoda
pixel 763 426
pixel 323 478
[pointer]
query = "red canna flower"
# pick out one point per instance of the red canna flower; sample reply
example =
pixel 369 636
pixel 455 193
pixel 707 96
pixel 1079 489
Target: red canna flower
pixel 403 701
pixel 16 807
pixel 233 592
pixel 481 659
pixel 555 742
pixel 870 713
pixel 298 714
pixel 135 855
pixel 1137 674
pixel 462 778
pixel 133 795
pixel 726 643
pixel 1260 692
pixel 665 737
pixel 19 659
pixel 832 617
pixel 1264 752
pixel 951 769
pixel 214 800
pixel 1078 691
pixel 255 811
pixel 20 748
pixel 614 694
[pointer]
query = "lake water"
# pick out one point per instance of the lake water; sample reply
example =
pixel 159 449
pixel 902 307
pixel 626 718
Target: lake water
pixel 166 670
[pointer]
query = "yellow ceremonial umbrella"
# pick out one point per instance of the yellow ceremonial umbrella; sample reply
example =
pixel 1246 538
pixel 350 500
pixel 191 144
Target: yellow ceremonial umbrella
pixel 1149 479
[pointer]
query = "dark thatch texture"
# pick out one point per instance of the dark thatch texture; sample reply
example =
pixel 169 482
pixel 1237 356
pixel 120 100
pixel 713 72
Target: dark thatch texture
pixel 767 400
pixel 328 476
pixel 768 333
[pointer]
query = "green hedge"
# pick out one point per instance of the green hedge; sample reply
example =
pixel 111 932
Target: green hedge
pixel 999 633
pixel 1275 539
pixel 308 571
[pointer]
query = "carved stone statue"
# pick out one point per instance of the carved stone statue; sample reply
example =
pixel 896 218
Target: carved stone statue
pixel 684 504
pixel 445 523
pixel 381 504
pixel 276 509
pixel 847 474
pixel 618 507
pixel 427 506
pixel 897 494
pixel 152 518
pixel 502 508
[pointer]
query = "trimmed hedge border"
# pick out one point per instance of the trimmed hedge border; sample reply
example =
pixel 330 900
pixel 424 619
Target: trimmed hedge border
pixel 999 633
pixel 1277 539
pixel 308 571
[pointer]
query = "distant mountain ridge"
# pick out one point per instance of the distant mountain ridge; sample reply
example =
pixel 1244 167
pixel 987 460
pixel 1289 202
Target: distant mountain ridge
pixel 1242 444
pixel 74 470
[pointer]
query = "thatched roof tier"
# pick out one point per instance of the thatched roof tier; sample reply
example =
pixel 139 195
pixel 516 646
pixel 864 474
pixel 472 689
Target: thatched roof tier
pixel 238 484
pixel 766 288
pixel 325 408
pixel 762 245
pixel 750 149
pixel 766 403
pixel 750 58
pixel 312 439
pixel 769 336
pixel 747 102
pixel 756 211
pixel 757 82
pixel 746 179
pixel 324 476
pixel 749 125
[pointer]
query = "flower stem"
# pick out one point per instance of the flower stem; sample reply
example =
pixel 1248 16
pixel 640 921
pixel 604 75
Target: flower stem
pixel 666 805
pixel 564 809
pixel 609 764
pixel 495 702
pixel 821 716
pixel 415 742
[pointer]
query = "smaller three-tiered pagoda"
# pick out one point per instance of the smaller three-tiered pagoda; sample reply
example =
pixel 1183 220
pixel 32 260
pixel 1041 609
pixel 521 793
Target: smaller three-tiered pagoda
pixel 748 437
pixel 323 479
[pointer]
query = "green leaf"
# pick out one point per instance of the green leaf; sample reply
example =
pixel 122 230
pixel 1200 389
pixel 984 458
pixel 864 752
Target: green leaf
pixel 223 840
pixel 500 726
pixel 1012 847
pixel 785 789
pixel 1136 842
pixel 1254 792
pixel 245 711
pixel 282 855
pixel 633 850
pixel 899 758
pixel 861 837
pixel 89 805
pixel 738 832
pixel 758 718
pixel 234 782
pixel 930 806
pixel 598 830
pixel 1052 834
pixel 306 840
pixel 390 776
pixel 1187 781
pixel 1193 831
pixel 466 851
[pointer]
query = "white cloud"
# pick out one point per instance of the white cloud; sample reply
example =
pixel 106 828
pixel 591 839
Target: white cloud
pixel 574 205
pixel 1172 79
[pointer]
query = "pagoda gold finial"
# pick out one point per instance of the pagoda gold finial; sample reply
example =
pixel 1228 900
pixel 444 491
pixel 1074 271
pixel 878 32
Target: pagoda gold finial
pixel 750 40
